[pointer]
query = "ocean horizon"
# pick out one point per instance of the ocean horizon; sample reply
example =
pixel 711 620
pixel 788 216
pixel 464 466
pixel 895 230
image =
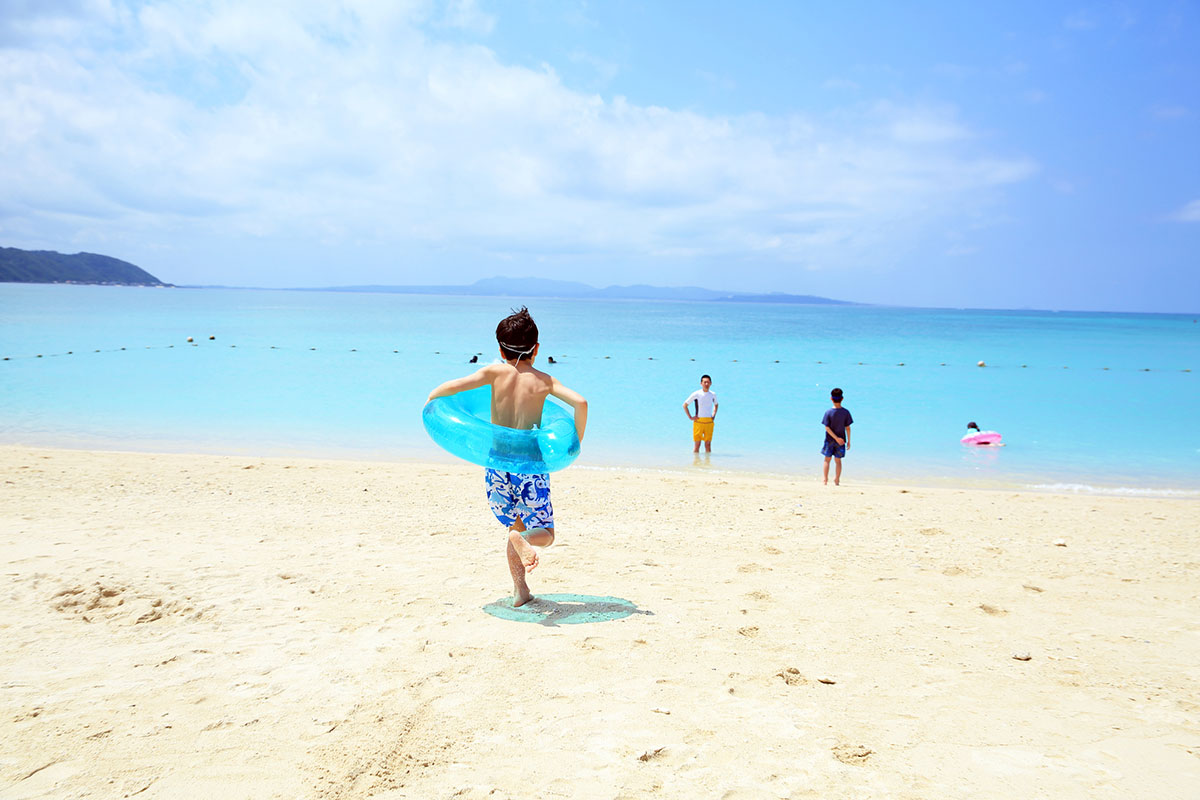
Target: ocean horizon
pixel 1086 401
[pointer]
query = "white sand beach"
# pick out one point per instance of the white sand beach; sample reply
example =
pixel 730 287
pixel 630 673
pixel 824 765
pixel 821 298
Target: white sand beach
pixel 180 626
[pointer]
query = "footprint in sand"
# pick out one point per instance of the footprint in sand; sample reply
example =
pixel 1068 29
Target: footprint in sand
pixel 749 630
pixel 792 677
pixel 852 753
pixel 115 603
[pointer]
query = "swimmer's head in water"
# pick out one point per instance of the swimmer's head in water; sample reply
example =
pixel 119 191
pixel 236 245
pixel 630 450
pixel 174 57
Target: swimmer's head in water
pixel 517 335
pixel 972 425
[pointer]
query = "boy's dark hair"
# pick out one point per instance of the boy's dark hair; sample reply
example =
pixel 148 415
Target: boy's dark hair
pixel 517 334
pixel 836 394
pixel 702 377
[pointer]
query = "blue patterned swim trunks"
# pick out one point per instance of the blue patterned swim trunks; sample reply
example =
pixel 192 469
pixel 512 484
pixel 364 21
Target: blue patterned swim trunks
pixel 833 450
pixel 513 496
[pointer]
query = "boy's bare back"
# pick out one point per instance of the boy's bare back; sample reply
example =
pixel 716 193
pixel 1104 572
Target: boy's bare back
pixel 518 394
pixel 518 389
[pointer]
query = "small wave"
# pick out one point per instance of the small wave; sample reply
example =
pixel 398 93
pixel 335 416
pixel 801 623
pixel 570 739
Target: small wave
pixel 1126 491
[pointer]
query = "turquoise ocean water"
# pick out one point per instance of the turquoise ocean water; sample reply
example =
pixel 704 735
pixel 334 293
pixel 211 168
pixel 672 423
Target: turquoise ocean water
pixel 1085 401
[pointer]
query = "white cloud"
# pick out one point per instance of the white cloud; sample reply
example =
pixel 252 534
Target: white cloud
pixel 466 14
pixel 1189 213
pixel 215 122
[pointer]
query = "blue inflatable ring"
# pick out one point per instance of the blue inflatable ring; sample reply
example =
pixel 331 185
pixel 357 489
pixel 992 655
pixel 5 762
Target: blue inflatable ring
pixel 461 424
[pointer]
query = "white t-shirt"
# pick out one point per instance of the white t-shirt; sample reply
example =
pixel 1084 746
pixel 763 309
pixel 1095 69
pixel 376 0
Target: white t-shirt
pixel 707 401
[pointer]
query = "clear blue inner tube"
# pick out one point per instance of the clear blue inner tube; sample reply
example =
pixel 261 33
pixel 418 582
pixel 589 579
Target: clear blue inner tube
pixel 461 424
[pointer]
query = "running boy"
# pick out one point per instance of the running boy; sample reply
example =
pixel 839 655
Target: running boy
pixel 705 403
pixel 521 502
pixel 837 422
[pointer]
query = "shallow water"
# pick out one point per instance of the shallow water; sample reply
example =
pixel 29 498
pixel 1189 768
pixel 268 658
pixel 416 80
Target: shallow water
pixel 1084 401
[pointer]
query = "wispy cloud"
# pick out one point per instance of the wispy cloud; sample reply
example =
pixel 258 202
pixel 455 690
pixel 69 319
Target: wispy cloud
pixel 355 123
pixel 1170 112
pixel 1081 21
pixel 721 82
pixel 841 83
pixel 467 15
pixel 1189 213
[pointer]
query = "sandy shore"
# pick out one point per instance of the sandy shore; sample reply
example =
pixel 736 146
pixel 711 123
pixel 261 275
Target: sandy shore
pixel 194 626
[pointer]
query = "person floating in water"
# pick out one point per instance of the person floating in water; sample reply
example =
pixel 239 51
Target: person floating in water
pixel 980 438
pixel 520 502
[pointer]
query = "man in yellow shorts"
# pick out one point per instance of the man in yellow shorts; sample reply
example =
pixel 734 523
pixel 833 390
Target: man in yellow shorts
pixel 701 408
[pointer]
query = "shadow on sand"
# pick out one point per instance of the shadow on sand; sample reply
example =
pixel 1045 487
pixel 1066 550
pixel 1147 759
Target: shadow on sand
pixel 564 609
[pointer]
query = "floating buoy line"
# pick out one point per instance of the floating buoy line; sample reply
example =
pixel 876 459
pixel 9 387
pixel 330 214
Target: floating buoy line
pixel 191 342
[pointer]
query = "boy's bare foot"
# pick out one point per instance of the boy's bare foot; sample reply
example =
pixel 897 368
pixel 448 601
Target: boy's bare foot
pixel 528 556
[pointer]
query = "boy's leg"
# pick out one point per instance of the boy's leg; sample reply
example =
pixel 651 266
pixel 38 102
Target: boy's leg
pixel 522 557
pixel 837 473
pixel 825 470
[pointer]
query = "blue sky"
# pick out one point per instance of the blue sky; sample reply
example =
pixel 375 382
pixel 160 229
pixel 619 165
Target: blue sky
pixel 1004 155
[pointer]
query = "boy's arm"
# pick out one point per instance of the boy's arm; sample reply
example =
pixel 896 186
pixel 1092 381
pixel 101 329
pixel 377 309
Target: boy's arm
pixel 834 436
pixel 473 381
pixel 576 401
pixel 847 436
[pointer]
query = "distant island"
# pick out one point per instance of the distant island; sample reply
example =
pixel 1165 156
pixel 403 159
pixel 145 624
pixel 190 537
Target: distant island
pixel 546 287
pixel 47 266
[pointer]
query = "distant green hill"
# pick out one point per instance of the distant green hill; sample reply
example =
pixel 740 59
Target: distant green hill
pixel 47 266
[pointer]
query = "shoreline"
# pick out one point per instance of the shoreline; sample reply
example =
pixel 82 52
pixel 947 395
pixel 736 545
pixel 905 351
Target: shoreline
pixel 430 454
pixel 186 625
